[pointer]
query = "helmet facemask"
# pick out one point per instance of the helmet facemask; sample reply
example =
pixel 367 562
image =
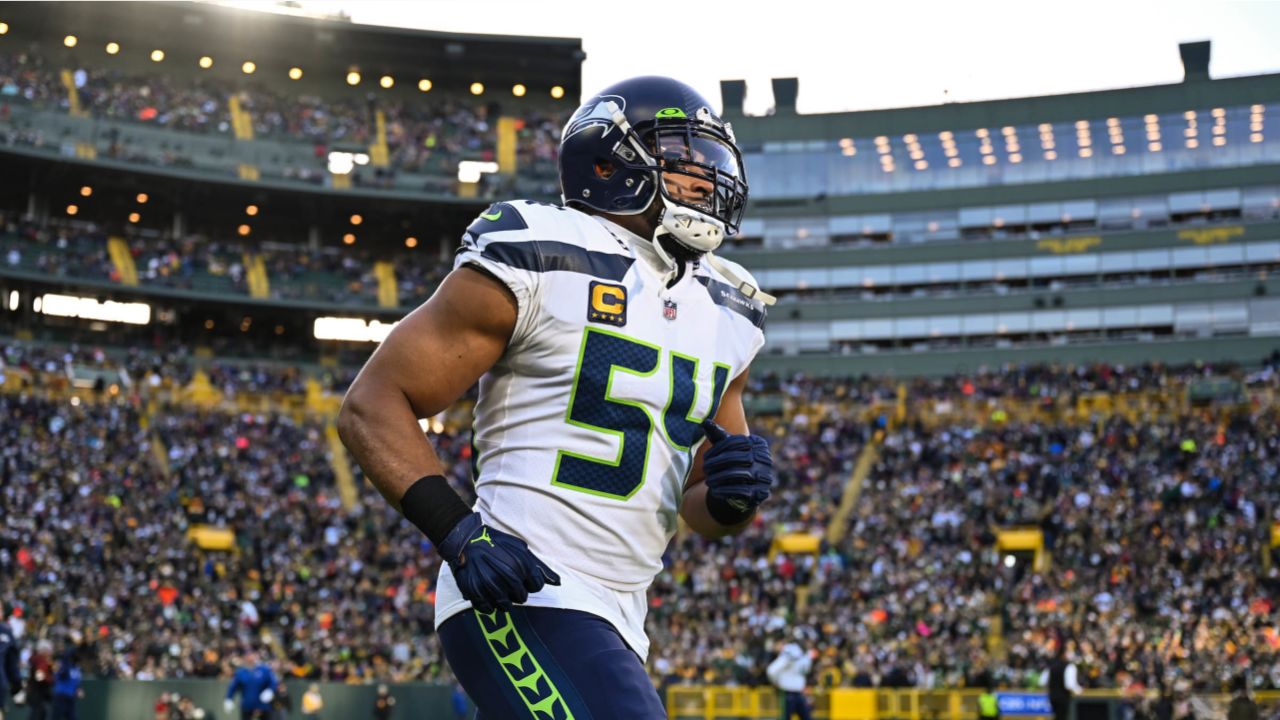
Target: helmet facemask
pixel 697 170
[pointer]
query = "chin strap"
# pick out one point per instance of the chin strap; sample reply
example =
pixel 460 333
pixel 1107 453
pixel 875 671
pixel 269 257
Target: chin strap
pixel 743 286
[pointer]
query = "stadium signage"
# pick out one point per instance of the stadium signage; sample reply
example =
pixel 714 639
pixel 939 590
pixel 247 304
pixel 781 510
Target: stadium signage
pixel 1069 246
pixel 1016 703
pixel 1211 236
pixel 352 329
pixel 90 309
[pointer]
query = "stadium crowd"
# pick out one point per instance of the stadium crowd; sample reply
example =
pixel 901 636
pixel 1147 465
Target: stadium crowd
pixel 428 135
pixel 1153 526
pixel 198 262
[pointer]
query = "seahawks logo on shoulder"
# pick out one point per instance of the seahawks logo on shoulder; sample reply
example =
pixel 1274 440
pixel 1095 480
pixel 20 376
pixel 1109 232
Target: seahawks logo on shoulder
pixel 498 217
pixel 595 113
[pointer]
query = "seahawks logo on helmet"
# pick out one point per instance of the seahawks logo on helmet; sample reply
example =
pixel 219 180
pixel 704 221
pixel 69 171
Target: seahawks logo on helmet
pixel 593 114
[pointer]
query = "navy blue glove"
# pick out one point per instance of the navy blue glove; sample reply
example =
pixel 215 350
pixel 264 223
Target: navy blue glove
pixel 493 569
pixel 739 471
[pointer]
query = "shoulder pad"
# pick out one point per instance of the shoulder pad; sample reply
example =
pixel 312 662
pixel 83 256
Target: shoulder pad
pixel 498 217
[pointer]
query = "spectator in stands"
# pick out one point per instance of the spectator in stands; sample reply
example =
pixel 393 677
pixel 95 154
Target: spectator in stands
pixel 39 687
pixel 312 702
pixel 384 703
pixel 67 687
pixel 1062 681
pixel 256 685
pixel 789 673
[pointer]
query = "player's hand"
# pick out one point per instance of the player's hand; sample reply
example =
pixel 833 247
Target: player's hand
pixel 739 472
pixel 493 569
pixel 228 706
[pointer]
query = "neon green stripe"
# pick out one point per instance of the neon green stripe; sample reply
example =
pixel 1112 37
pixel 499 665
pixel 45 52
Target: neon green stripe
pixel 514 662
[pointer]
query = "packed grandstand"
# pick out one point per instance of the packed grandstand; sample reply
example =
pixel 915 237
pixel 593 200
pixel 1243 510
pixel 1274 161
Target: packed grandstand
pixel 174 491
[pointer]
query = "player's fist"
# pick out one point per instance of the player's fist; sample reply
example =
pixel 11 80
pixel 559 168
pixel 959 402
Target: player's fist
pixel 493 569
pixel 229 706
pixel 739 472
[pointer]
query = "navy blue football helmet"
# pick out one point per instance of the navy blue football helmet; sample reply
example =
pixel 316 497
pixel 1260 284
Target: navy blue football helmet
pixel 653 139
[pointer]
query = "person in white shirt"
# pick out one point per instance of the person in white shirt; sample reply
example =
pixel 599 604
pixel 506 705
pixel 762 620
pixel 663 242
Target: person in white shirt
pixel 1062 680
pixel 789 673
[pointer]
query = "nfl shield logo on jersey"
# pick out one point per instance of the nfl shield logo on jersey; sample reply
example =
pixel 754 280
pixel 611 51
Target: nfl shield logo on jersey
pixel 668 310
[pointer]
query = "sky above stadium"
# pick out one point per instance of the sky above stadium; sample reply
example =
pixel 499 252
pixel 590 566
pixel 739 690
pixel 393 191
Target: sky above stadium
pixel 859 56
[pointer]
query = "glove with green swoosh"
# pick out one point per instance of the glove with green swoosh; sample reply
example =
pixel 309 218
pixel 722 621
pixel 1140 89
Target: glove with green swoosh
pixel 493 569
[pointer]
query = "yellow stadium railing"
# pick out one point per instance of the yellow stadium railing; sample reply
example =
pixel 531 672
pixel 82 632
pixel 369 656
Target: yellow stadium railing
pixel 717 702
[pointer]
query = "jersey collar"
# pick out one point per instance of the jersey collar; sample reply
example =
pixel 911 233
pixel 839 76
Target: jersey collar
pixel 640 247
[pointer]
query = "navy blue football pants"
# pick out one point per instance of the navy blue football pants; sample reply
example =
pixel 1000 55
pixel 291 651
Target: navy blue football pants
pixel 547 664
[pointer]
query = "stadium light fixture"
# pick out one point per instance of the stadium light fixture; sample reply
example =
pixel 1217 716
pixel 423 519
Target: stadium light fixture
pixel 953 162
pixel 295 73
pixel 4 28
pixel 922 164
pixel 248 67
pixel 411 242
pixel 86 191
pixel 356 219
pixel 1219 141
pixel 72 209
pixel 518 90
pixel 477 88
pixel 1015 158
pixel 1192 143
pixel 1155 146
pixel 1086 152
pixel 387 82
pixel 251 210
pixel 157 55
pixel 353 78
pixel 351 329
pixel 14 300
pixel 1117 150
pixel 557 92
pixel 113 48
pixel 424 85
pixel 349 239
pixel 1050 154
pixel 134 217
pixel 469 171
pixel 1255 137
pixel 142 198
pixel 244 230
pixel 206 62
pixel 70 41
pixel 87 308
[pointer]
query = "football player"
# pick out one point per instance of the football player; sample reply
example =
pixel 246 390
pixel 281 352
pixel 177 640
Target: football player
pixel 612 348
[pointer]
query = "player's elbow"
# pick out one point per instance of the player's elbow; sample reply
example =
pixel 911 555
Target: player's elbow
pixel 357 411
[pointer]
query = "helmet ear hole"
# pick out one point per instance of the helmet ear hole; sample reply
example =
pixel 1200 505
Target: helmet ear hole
pixel 604 169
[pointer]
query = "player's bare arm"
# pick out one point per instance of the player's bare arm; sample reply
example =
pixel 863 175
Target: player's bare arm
pixel 425 364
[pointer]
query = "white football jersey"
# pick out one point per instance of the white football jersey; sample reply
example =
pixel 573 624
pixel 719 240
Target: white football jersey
pixel 585 429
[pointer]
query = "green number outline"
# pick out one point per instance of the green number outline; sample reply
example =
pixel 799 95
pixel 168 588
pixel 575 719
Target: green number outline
pixel 620 434
pixel 671 393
